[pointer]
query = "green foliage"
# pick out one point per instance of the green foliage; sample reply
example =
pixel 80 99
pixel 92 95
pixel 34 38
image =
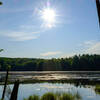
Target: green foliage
pixel 97 89
pixel 1 49
pixel 67 96
pixel 76 63
pixel 1 3
pixel 56 96
pixel 48 96
pixel 34 97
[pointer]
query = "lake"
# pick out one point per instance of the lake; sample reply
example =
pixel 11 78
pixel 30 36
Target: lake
pixel 85 84
pixel 51 75
pixel 87 92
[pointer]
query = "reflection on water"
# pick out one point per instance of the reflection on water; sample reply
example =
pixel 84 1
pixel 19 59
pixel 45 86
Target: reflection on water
pixel 25 90
pixel 73 82
pixel 51 75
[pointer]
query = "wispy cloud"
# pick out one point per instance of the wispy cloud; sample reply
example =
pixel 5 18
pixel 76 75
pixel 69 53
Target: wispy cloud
pixel 91 47
pixel 87 44
pixel 23 33
pixel 87 47
pixel 68 54
pixel 15 10
pixel 20 36
pixel 94 49
pixel 51 53
pixel 27 27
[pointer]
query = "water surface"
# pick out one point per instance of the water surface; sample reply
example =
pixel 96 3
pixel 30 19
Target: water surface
pixel 87 92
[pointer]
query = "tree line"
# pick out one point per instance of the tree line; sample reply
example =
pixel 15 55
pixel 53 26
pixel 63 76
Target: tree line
pixel 76 63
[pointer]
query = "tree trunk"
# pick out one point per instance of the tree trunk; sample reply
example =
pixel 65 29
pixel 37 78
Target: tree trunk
pixel 5 85
pixel 15 91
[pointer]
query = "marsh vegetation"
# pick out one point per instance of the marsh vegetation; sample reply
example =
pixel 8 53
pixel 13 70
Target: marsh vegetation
pixel 55 96
pixel 97 89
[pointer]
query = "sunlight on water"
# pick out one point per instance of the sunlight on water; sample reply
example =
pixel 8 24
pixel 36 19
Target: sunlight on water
pixel 25 90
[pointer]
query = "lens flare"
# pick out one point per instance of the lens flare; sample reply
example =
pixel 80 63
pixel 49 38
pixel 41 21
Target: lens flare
pixel 49 17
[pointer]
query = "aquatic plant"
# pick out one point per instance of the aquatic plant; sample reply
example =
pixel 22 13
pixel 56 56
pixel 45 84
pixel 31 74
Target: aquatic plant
pixel 97 89
pixel 34 97
pixel 56 96
pixel 67 96
pixel 48 96
pixel 77 96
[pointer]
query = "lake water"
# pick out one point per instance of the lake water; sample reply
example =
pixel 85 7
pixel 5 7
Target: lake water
pixel 25 90
pixel 52 75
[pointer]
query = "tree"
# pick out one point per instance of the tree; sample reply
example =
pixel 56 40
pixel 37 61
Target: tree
pixel 1 3
pixel 5 84
pixel 1 50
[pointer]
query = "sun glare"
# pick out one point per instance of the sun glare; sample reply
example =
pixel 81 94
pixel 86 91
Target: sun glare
pixel 48 15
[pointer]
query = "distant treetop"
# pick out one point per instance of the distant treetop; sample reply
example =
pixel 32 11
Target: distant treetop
pixel 0 3
pixel 1 50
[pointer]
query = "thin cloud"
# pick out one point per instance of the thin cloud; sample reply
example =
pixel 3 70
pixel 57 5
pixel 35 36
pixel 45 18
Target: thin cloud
pixel 51 53
pixel 15 10
pixel 91 47
pixel 27 27
pixel 26 32
pixel 68 55
pixel 87 47
pixel 94 49
pixel 20 36
pixel 87 44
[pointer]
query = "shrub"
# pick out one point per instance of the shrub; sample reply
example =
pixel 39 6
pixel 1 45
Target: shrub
pixel 97 89
pixel 34 97
pixel 48 96
pixel 67 96
pixel 56 96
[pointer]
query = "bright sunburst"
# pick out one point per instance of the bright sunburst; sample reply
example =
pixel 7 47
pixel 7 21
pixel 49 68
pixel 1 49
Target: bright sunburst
pixel 49 17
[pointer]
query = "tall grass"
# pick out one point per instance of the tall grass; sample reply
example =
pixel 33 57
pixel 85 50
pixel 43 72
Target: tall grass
pixel 56 96
pixel 48 96
pixel 34 97
pixel 67 96
pixel 97 89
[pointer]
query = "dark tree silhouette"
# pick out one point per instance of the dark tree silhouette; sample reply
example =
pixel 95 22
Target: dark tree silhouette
pixel 1 3
pixel 98 9
pixel 15 91
pixel 1 50
pixel 5 85
pixel 77 62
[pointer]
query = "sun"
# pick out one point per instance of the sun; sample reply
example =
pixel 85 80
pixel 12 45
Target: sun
pixel 49 17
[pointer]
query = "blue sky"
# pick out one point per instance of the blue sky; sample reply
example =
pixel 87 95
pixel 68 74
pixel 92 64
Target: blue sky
pixel 23 33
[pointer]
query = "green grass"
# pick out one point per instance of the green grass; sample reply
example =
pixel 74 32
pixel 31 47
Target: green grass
pixel 48 96
pixel 34 97
pixel 55 96
pixel 97 89
pixel 67 96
